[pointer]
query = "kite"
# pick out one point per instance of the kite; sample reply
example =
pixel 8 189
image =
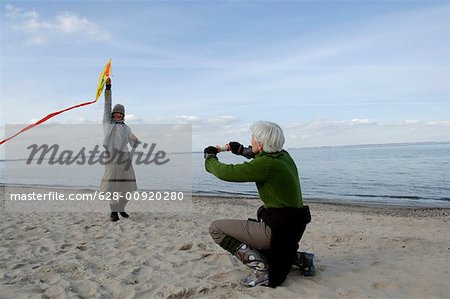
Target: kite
pixel 102 79
pixel 106 72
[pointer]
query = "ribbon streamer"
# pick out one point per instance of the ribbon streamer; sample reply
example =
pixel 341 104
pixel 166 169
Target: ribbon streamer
pixel 106 72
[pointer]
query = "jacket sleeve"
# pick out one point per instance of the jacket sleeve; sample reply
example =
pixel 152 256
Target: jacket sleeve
pixel 253 171
pixel 107 118
pixel 248 152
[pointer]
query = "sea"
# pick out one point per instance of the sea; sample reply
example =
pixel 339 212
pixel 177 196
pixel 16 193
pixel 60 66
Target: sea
pixel 412 174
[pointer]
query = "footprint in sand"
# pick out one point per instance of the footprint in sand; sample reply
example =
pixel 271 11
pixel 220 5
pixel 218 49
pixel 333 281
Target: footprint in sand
pixel 82 247
pixel 229 276
pixel 17 266
pixel 381 285
pixel 186 246
pixel 64 246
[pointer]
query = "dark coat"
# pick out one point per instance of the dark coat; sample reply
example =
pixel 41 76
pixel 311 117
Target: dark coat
pixel 287 225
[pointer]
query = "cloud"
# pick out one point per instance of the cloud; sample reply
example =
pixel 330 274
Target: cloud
pixel 198 121
pixel 65 26
pixel 410 122
pixel 383 58
pixel 132 118
pixel 356 122
pixel 15 13
pixel 79 121
pixel 442 124
pixel 189 119
pixel 417 123
pixel 222 120
pixel 363 131
pixel 326 132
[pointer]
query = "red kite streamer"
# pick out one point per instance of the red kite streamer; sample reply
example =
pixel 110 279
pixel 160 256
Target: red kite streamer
pixel 101 83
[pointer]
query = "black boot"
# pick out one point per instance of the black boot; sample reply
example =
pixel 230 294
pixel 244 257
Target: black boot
pixel 124 215
pixel 114 216
pixel 305 263
pixel 122 203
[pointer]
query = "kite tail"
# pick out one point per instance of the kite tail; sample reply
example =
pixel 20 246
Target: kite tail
pixel 53 114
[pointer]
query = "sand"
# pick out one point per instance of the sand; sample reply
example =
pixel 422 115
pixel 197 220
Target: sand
pixel 361 252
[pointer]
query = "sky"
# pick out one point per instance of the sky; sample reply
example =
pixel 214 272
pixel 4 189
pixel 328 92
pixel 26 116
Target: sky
pixel 329 72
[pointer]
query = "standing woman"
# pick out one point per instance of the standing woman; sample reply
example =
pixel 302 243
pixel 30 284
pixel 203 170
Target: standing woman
pixel 119 177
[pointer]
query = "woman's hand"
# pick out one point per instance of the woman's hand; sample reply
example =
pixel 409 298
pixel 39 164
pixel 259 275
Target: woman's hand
pixel 133 139
pixel 108 84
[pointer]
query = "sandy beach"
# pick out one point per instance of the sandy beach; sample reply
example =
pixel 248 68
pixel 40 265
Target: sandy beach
pixel 361 252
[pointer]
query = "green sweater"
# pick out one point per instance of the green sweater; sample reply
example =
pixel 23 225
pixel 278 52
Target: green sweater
pixel 275 175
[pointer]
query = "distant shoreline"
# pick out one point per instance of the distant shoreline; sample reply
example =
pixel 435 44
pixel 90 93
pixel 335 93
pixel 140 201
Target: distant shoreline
pixel 358 145
pixel 320 147
pixel 372 145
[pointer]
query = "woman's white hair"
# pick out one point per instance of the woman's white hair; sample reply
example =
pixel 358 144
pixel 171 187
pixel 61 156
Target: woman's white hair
pixel 269 134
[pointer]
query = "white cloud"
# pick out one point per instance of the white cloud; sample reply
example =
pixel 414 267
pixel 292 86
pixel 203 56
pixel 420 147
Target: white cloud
pixel 221 120
pixel 357 121
pixel 417 123
pixel 34 25
pixel 79 121
pixel 438 124
pixel 363 131
pixel 326 132
pixel 189 119
pixel 384 58
pixel 132 118
pixel 71 24
pixel 411 122
pixel 36 40
pixel 65 26
pixel 14 12
pixel 198 121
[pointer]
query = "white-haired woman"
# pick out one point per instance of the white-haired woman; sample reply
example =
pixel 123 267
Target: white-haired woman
pixel 269 244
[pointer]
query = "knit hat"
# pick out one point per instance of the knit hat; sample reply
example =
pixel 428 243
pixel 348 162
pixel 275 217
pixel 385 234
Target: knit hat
pixel 119 108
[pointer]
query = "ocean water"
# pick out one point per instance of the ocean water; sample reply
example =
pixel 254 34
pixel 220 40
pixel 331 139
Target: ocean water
pixel 400 174
pixel 403 174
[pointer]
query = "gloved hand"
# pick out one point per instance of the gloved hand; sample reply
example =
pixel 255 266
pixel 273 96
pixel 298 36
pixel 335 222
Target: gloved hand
pixel 210 151
pixel 134 141
pixel 236 147
pixel 108 84
pixel 248 152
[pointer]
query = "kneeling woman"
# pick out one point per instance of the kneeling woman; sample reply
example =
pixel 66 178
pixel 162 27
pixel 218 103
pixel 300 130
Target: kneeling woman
pixel 269 244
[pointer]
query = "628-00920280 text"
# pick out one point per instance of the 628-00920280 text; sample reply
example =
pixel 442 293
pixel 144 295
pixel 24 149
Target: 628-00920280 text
pixel 150 195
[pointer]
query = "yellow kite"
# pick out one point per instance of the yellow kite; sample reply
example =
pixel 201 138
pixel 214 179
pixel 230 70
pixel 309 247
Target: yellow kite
pixel 101 83
pixel 102 78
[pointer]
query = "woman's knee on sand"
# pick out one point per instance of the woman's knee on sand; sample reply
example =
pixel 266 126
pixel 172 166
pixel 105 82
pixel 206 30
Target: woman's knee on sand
pixel 254 234
pixel 216 232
